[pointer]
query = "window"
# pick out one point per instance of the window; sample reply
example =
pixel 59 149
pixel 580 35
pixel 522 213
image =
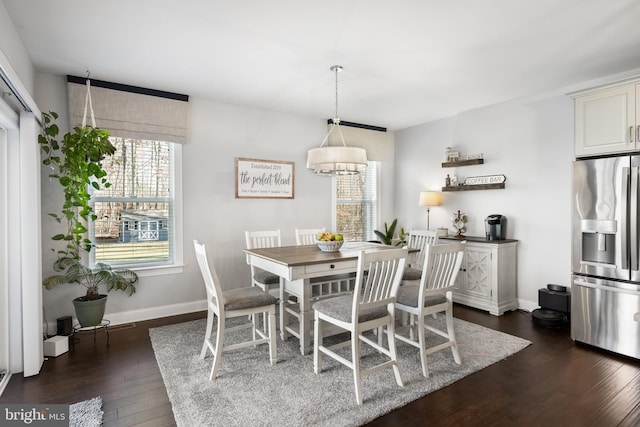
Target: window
pixel 135 225
pixel 357 203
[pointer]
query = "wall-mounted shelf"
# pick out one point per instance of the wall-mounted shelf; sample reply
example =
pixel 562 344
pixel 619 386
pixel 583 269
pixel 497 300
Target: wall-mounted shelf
pixel 474 187
pixel 462 163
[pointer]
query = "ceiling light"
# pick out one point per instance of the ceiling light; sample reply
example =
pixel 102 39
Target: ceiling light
pixel 336 160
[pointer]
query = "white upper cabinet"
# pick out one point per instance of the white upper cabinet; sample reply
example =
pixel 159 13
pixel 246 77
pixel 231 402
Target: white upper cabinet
pixel 606 120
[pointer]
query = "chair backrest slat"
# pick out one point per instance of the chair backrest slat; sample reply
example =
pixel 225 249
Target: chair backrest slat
pixel 378 278
pixel 210 277
pixel 307 236
pixel 262 239
pixel 419 239
pixel 441 266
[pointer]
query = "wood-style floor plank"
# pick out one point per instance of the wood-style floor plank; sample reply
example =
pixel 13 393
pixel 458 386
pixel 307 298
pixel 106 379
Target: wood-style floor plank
pixel 552 382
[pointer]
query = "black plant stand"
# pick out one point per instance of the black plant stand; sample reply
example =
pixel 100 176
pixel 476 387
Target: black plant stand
pixel 104 325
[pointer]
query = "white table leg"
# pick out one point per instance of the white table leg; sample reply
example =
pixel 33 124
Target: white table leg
pixel 306 318
pixel 284 314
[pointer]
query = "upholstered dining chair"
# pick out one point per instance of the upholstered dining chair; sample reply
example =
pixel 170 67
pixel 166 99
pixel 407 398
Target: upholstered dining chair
pixel 440 269
pixel 264 239
pixel 371 306
pixel 418 239
pixel 239 302
pixel 307 236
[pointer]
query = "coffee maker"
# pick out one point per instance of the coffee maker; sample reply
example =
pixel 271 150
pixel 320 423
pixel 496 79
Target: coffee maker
pixel 495 227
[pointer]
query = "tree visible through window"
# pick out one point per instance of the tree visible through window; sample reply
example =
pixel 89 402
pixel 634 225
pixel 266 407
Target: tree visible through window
pixel 135 215
pixel 356 204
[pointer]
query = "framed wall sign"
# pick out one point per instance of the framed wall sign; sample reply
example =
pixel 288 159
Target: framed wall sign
pixel 264 179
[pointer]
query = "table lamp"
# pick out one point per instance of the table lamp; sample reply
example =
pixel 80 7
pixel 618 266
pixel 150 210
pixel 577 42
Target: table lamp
pixel 428 199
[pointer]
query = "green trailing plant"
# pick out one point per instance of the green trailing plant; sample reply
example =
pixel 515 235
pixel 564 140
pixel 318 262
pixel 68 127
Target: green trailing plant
pixel 387 236
pixel 76 163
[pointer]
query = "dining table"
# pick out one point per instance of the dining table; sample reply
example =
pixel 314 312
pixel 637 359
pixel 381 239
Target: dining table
pixel 308 274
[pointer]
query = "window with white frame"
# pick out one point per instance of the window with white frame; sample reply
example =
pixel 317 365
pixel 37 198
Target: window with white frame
pixel 135 223
pixel 357 203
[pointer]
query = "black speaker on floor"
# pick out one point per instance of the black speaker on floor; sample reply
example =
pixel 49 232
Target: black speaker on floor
pixel 65 326
pixel 555 307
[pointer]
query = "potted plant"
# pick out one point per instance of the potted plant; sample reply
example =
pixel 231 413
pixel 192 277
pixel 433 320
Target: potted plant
pixel 76 163
pixel 387 238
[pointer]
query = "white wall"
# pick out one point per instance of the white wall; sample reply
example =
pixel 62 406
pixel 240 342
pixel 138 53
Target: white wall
pixel 531 142
pixel 212 214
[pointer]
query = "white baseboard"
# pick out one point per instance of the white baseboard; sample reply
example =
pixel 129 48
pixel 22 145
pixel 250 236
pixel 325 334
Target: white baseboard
pixel 144 314
pixel 527 305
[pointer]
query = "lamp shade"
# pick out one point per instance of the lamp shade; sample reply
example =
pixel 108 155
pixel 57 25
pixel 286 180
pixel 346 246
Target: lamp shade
pixel 430 198
pixel 337 160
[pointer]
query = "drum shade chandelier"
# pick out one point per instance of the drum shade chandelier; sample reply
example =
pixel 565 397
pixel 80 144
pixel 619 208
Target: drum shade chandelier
pixel 336 160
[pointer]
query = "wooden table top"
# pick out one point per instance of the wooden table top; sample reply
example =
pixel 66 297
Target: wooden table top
pixel 293 256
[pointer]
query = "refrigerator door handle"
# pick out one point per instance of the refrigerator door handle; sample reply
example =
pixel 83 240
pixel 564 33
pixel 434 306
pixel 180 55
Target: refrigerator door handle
pixel 633 219
pixel 625 218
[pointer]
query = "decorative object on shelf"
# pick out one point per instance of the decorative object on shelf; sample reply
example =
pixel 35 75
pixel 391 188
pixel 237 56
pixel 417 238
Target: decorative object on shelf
pixel 336 160
pixel 483 180
pixel 447 154
pixel 459 221
pixel 329 242
pixel 454 181
pixel 428 199
pixel 447 181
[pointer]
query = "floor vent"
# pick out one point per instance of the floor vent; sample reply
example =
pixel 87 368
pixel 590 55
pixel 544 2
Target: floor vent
pixel 122 326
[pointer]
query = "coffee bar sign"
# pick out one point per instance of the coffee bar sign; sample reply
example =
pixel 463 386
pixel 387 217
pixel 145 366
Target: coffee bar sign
pixel 487 179
pixel 268 179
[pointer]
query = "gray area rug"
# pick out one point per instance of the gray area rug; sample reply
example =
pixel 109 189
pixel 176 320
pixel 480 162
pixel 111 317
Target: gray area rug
pixel 87 413
pixel 250 392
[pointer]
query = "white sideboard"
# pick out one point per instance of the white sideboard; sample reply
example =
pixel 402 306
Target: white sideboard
pixel 487 278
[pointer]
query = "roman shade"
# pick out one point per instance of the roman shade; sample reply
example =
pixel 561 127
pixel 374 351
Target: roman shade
pixel 376 140
pixel 130 111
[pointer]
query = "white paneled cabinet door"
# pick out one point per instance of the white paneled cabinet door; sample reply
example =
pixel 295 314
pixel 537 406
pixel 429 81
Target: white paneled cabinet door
pixel 478 271
pixel 605 121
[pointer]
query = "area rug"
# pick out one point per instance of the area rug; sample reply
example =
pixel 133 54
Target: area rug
pixel 249 391
pixel 87 413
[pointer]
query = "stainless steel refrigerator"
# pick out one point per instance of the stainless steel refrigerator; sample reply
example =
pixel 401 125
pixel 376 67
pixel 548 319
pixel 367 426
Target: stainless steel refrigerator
pixel 605 291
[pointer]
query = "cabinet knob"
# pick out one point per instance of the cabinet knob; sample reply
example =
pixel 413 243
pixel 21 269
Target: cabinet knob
pixel 332 266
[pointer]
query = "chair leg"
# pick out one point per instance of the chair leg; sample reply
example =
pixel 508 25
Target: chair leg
pixel 207 334
pixel 317 342
pixel 272 338
pixel 355 354
pixel 452 334
pixel 422 340
pixel 218 351
pixel 391 339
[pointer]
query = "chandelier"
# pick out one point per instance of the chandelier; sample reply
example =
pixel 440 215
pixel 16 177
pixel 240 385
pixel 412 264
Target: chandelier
pixel 336 160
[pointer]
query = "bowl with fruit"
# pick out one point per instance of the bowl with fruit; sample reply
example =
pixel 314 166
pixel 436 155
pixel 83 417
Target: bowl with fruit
pixel 329 242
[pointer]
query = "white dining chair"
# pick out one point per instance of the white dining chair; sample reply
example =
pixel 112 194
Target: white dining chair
pixel 264 239
pixel 418 239
pixel 371 306
pixel 238 302
pixel 307 236
pixel 434 295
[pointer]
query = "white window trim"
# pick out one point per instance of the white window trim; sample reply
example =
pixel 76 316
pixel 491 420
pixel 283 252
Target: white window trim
pixel 334 199
pixel 177 266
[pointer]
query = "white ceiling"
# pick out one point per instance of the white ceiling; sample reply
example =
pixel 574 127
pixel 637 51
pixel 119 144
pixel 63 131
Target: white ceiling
pixel 405 62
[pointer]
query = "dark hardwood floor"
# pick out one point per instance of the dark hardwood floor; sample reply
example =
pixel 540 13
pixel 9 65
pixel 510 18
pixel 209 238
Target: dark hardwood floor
pixel 551 382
